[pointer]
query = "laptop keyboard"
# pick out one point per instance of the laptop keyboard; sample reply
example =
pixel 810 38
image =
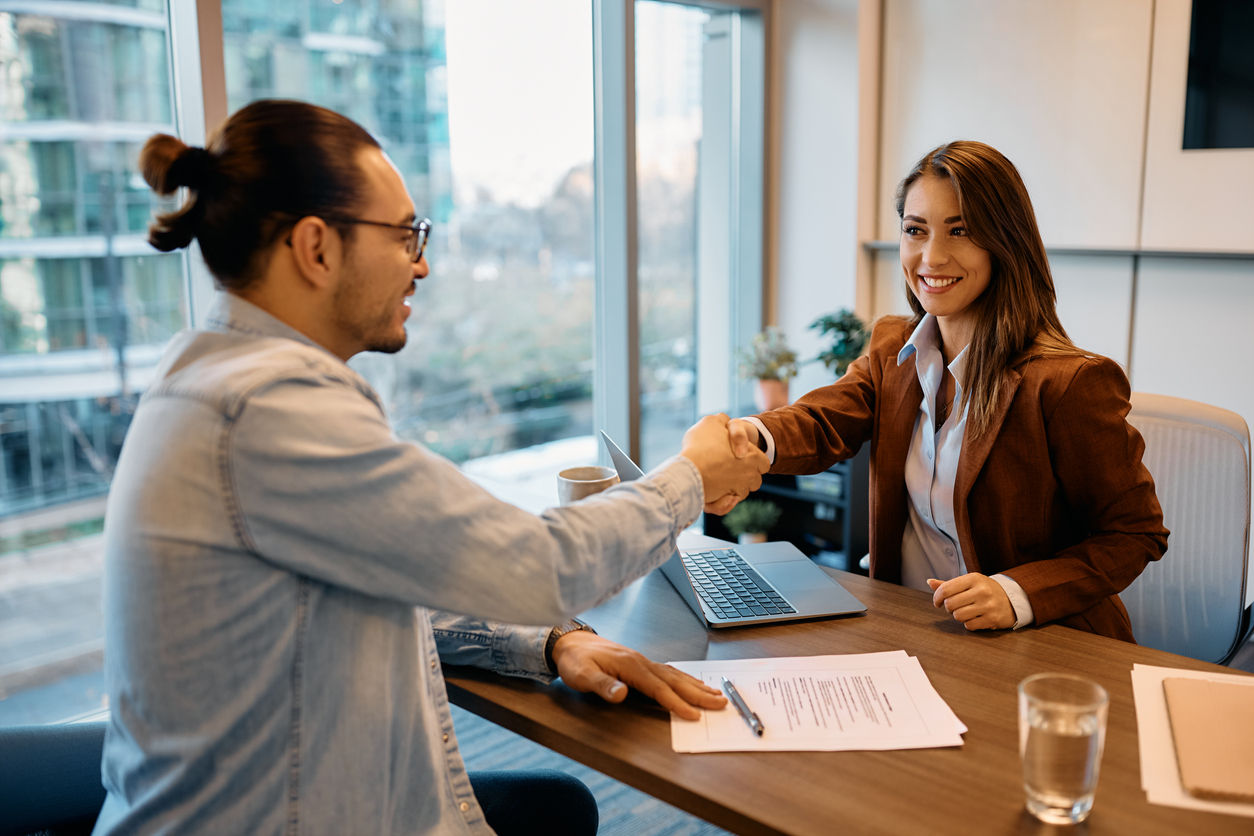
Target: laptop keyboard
pixel 731 587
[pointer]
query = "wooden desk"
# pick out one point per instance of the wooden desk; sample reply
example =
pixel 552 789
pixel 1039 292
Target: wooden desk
pixel 973 789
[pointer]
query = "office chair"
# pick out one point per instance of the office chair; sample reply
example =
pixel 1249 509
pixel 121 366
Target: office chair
pixel 50 779
pixel 1192 602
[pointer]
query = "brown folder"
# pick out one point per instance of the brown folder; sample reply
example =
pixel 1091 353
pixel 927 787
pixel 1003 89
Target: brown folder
pixel 1213 727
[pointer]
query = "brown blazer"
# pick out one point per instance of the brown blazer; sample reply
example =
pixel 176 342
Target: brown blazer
pixel 1054 495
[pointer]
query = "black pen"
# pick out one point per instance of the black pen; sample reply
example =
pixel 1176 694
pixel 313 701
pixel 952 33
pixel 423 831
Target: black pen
pixel 742 707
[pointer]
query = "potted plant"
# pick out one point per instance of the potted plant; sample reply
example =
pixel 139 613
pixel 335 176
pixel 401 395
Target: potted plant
pixel 752 519
pixel 846 334
pixel 772 363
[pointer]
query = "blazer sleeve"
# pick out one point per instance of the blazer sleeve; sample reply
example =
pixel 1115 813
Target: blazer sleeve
pixel 1096 457
pixel 832 423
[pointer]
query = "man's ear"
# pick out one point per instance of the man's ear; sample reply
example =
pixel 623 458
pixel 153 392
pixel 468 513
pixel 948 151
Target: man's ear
pixel 316 250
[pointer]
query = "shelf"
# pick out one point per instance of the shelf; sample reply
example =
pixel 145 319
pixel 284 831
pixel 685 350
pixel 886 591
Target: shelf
pixel 837 529
pixel 804 496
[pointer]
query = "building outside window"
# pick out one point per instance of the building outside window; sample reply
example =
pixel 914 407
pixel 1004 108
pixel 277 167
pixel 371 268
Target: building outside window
pixel 495 146
pixel 486 107
pixel 86 307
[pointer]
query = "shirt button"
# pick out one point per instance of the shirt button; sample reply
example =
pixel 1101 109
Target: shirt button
pixel 464 806
pixel 446 738
pixel 433 664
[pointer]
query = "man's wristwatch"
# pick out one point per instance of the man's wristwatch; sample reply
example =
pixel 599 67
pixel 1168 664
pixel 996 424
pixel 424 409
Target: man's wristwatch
pixel 556 633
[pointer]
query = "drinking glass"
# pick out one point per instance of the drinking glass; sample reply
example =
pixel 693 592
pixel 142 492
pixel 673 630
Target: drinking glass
pixel 1062 730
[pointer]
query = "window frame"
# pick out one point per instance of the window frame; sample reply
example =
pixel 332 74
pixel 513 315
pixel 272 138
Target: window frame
pixel 616 375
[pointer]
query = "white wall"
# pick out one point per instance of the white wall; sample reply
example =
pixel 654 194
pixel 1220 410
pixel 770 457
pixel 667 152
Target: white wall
pixel 816 45
pixel 1039 82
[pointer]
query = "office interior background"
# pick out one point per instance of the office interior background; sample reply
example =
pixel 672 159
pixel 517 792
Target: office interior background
pixel 623 193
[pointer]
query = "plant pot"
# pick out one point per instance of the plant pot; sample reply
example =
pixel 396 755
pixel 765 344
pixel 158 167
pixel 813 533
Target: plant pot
pixel 751 537
pixel 771 394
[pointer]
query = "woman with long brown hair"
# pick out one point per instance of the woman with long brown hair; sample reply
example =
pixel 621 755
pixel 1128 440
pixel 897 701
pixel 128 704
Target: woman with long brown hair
pixel 1005 477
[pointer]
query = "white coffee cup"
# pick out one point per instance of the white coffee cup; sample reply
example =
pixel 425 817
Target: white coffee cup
pixel 574 483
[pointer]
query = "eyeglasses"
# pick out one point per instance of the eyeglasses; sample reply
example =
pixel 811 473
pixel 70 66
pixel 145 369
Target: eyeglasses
pixel 415 245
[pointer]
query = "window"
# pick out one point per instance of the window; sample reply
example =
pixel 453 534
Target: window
pixel 85 309
pixel 699 118
pixel 488 109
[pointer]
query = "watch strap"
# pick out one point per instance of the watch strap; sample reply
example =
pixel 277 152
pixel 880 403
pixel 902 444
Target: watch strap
pixel 556 633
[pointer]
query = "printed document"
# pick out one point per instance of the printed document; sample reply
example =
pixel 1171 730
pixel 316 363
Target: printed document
pixel 821 703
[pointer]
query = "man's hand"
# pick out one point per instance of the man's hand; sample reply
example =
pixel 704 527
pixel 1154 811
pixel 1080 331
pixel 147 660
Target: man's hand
pixel 743 437
pixel 976 601
pixel 588 662
pixel 725 475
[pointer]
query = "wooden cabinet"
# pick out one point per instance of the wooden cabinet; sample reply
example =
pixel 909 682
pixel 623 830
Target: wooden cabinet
pixel 824 514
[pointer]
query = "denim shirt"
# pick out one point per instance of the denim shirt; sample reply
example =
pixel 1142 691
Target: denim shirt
pixel 283 576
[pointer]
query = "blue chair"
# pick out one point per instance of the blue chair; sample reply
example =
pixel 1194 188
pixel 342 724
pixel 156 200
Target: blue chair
pixel 1192 602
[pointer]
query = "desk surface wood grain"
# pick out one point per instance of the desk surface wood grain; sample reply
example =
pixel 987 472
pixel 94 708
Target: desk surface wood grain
pixel 975 788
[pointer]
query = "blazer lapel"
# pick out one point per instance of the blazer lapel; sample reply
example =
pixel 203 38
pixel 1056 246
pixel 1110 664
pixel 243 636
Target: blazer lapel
pixel 974 453
pixel 901 408
pixel 898 410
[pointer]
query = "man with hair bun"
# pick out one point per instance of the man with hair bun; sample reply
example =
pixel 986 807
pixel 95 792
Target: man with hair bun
pixel 283 576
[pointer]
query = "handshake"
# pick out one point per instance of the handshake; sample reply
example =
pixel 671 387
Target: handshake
pixel 726 452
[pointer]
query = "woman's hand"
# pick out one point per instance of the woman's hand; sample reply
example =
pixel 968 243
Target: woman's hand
pixel 743 438
pixel 976 601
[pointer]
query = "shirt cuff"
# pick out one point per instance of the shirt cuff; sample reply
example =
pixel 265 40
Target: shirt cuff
pixel 679 481
pixel 766 435
pixel 1018 600
pixel 509 649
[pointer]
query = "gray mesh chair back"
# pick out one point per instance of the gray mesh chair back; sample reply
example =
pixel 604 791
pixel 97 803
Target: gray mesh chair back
pixel 1192 602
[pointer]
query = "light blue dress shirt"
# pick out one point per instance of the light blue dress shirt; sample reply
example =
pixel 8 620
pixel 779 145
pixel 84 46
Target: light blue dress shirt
pixel 283 576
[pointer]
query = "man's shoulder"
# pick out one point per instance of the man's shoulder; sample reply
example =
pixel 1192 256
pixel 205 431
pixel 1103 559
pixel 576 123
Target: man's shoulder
pixel 228 367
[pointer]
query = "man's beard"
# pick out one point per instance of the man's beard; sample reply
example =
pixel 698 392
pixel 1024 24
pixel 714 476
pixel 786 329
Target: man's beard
pixel 372 335
pixel 389 345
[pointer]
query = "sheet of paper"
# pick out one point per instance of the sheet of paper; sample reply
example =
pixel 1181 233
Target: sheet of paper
pixel 821 703
pixel 1160 774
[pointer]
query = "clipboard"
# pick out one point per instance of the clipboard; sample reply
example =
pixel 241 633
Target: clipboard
pixel 1212 725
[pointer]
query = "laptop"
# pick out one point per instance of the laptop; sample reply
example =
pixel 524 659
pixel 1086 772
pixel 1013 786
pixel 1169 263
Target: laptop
pixel 757 583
